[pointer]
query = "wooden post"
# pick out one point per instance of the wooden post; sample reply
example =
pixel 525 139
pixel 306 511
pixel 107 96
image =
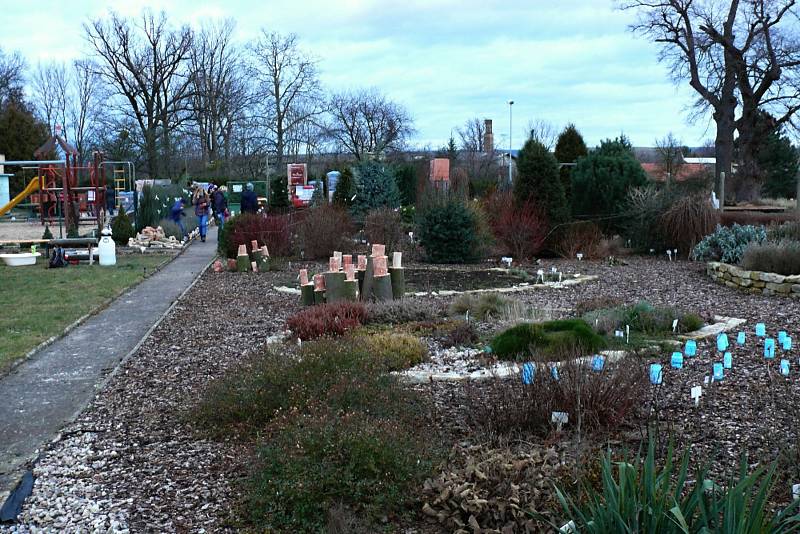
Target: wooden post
pixel 721 191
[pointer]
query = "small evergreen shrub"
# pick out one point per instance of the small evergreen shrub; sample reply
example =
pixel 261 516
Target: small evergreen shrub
pixel 780 258
pixel 344 188
pixel 149 210
pixel 538 182
pixel 727 244
pixel 548 339
pixel 327 320
pixel 402 311
pixel 396 351
pixel 47 233
pixel 324 229
pixel 122 229
pixel 448 233
pixel 278 194
pixel 375 186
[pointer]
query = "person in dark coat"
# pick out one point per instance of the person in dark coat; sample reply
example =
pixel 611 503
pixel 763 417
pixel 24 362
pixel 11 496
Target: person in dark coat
pixel 220 205
pixel 249 200
pixel 111 200
pixel 176 212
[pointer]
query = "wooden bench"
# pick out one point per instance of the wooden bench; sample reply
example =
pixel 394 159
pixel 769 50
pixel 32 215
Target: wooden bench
pixel 89 242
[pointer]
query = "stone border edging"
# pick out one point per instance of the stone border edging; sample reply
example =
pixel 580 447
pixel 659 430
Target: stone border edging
pixel 754 282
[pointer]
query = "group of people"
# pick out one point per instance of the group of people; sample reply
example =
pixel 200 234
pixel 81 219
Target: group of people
pixel 212 201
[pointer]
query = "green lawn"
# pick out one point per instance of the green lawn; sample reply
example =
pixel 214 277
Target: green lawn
pixel 37 302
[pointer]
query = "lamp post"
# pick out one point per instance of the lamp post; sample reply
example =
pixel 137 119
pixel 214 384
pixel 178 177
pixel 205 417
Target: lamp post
pixel 510 103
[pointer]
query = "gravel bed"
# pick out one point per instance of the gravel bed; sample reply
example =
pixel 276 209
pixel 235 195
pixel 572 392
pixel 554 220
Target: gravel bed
pixel 132 460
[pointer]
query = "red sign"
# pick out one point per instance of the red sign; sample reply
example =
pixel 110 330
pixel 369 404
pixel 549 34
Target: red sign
pixel 297 173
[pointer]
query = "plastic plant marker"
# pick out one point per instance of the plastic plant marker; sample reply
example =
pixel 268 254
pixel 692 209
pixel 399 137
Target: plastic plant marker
pixel 781 336
pixel 785 367
pixel 727 360
pixel 769 348
pixel 691 348
pixel 674 326
pixel 706 380
pixel 598 362
pixel 787 343
pixel 722 342
pixel 528 372
pixel 677 360
pixel 795 491
pixel 559 418
pixel 761 329
pixel 696 393
pixel 627 333
pixel 740 338
pixel 554 372
pixel 656 374
pixel 718 372
pixel 487 349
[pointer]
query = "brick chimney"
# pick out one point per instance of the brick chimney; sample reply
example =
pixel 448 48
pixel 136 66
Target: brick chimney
pixel 488 137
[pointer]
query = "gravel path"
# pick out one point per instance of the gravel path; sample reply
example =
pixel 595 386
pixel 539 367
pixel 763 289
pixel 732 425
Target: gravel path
pixel 133 461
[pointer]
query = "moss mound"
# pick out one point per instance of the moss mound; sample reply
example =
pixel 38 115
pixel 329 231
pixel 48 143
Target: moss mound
pixel 563 339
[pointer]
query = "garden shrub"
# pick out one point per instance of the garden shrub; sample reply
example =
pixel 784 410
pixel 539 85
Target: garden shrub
pixel 641 317
pixel 643 227
pixel 402 311
pixel 171 229
pixel 788 231
pixel 520 228
pixel 344 188
pixel 569 148
pixel 406 176
pixel 149 209
pixel 375 186
pixel 47 233
pixel 583 237
pixel 755 218
pixel 278 194
pixel 275 231
pixel 324 229
pixel 448 232
pixel 396 351
pixel 540 341
pixel 327 320
pixel 780 258
pixel 462 334
pixel 539 182
pixel 640 495
pixel 688 220
pixel 481 306
pixel 603 400
pixel 601 181
pixel 122 229
pixel 727 244
pixel 385 226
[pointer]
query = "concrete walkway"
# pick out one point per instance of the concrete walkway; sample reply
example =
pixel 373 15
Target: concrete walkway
pixel 52 387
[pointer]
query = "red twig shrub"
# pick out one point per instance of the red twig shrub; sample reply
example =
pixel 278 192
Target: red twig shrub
pixel 324 228
pixel 584 237
pixel 327 320
pixel 520 229
pixel 275 231
pixel 385 225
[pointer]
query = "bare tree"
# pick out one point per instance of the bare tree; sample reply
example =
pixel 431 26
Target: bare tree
pixel 289 84
pixel 219 90
pixel 478 160
pixel 11 70
pixel 146 62
pixel 83 107
pixel 670 156
pixel 51 85
pixel 543 131
pixel 473 135
pixel 366 122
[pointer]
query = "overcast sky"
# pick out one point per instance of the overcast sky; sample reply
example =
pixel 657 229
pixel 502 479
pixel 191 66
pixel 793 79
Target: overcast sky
pixel 445 60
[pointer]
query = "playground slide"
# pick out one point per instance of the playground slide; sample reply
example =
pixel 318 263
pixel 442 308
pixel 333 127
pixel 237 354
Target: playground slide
pixel 33 186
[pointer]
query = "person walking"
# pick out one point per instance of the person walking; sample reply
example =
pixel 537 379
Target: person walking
pixel 175 214
pixel 111 200
pixel 220 205
pixel 201 206
pixel 249 200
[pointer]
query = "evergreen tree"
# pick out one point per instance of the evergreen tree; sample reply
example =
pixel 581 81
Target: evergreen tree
pixel 601 180
pixel 538 181
pixel 278 193
pixel 375 187
pixel 344 188
pixel 406 175
pixel 778 159
pixel 569 148
pixel 20 133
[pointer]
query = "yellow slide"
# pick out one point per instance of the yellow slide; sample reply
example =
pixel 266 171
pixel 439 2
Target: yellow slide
pixel 33 186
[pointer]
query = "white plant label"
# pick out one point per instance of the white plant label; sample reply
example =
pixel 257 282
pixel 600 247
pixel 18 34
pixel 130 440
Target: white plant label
pixel 796 491
pixel 706 380
pixel 674 326
pixel 696 393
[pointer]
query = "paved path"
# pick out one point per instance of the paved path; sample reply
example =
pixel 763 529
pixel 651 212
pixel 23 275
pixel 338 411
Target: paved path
pixel 54 385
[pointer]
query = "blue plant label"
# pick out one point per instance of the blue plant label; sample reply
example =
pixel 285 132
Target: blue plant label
pixel 554 372
pixel 761 329
pixel 722 342
pixel 740 338
pixel 718 372
pixel 727 360
pixel 528 372
pixel 787 343
pixel 785 367
pixel 487 349
pixel 656 374
pixel 677 360
pixel 769 348
pixel 691 348
pixel 781 336
pixel 598 362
